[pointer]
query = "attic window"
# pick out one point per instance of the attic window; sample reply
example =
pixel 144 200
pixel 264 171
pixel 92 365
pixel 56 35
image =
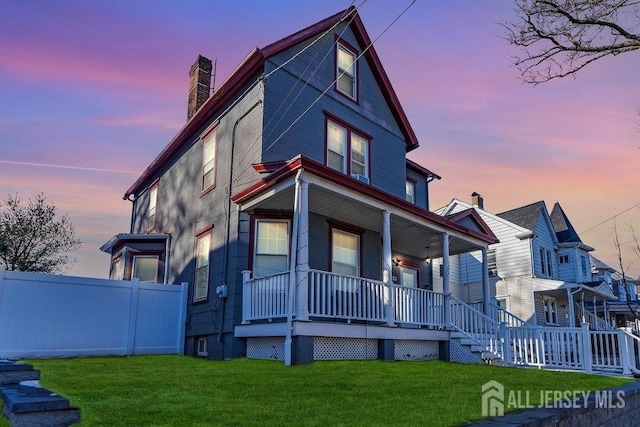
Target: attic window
pixel 346 70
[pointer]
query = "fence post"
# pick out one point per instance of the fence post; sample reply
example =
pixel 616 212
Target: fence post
pixel 504 341
pixel 623 343
pixel 183 317
pixel 246 296
pixel 133 317
pixel 587 356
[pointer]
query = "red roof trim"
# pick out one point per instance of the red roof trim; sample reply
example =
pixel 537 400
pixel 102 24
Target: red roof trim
pixel 268 167
pixel 322 171
pixel 421 169
pixel 253 63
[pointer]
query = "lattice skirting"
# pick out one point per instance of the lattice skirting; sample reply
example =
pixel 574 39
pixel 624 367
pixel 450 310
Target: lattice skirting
pixel 334 348
pixel 463 354
pixel 416 350
pixel 265 348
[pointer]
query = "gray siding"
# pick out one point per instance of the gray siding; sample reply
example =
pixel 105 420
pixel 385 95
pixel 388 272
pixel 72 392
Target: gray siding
pixel 370 115
pixel 182 212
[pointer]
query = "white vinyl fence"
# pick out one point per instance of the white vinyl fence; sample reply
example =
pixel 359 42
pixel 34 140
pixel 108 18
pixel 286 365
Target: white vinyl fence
pixel 43 315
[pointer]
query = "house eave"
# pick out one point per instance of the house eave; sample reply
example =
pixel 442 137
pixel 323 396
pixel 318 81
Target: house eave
pixel 298 162
pixel 119 239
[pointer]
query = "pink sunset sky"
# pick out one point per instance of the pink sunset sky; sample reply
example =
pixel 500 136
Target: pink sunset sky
pixel 90 92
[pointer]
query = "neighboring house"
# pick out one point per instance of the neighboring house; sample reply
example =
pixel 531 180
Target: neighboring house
pixel 288 203
pixel 539 270
pixel 619 312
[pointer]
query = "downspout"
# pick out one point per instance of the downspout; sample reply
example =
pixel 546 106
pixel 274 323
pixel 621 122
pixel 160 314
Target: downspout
pixel 228 216
pixel 292 268
pixel 167 245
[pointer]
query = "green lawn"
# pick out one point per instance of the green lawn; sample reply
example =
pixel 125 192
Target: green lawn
pixel 174 390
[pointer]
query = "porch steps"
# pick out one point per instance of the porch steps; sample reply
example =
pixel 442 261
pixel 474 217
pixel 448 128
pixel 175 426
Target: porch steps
pixel 488 357
pixel 26 403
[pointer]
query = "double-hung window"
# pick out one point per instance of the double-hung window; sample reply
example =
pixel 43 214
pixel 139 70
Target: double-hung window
pixel 545 262
pixel 271 247
pixel 203 250
pixel 492 264
pixel 346 70
pixel 209 145
pixel 153 201
pixel 347 151
pixel 410 190
pixel 345 253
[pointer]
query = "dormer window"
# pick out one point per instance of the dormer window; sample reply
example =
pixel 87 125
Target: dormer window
pixel 346 70
pixel 347 151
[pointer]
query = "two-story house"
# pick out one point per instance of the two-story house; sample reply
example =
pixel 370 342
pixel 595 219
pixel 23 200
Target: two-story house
pixel 540 269
pixel 288 203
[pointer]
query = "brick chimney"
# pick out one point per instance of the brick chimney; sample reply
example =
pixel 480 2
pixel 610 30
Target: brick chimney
pixel 199 84
pixel 477 200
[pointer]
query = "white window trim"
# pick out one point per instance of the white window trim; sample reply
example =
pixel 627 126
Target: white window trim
pixel 153 207
pixel 410 184
pixel 552 304
pixel 211 165
pixel 359 246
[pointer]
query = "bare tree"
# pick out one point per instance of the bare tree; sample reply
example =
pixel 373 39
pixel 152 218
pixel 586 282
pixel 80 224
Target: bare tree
pixel 33 238
pixel 624 269
pixel 560 37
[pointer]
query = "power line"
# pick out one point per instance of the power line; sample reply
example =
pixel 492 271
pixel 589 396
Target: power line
pixel 611 218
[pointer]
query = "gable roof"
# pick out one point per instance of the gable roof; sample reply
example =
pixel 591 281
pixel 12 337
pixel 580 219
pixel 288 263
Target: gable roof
pixel 471 214
pixel 562 226
pixel 254 62
pixel 599 265
pixel 525 216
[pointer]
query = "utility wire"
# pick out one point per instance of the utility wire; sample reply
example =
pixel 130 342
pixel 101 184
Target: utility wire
pixel 611 218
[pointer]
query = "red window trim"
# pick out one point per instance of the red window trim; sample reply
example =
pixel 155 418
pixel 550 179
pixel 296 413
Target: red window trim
pixel 203 138
pixel 346 228
pixel 275 216
pixel 328 117
pixel 341 42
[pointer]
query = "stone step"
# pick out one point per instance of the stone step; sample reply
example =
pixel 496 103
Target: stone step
pixel 12 372
pixel 30 405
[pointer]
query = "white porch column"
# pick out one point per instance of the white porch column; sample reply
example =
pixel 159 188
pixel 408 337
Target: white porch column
pixel 302 254
pixel 386 259
pixel 446 287
pixel 572 313
pixel 486 291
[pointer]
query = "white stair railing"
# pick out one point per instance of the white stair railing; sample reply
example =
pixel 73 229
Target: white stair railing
pixel 504 316
pixel 595 322
pixel 476 325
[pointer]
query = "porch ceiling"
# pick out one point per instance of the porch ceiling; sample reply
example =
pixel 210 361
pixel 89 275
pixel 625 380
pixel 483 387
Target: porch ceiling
pixel 410 236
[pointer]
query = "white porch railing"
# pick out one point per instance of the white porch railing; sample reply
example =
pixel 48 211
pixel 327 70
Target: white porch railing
pixel 346 297
pixel 418 306
pixel 338 296
pixel 265 297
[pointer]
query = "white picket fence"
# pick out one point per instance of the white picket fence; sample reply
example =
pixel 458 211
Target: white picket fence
pixel 43 315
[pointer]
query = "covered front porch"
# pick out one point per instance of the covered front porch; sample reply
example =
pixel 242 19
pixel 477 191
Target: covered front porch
pixel 379 285
pixel 569 304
